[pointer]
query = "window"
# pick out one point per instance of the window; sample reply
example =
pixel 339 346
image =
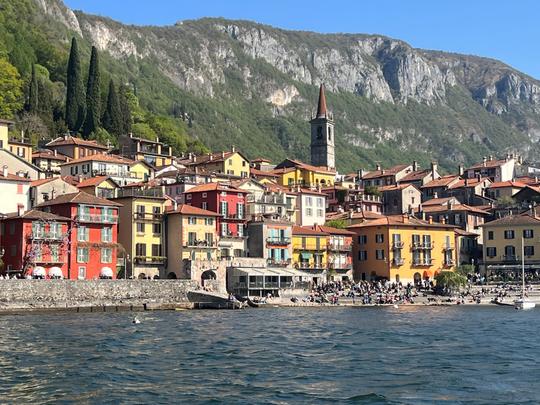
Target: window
pixel 140 227
pixel 156 250
pixel 38 229
pixel 82 272
pixel 320 213
pixel 240 210
pixel 379 238
pixel 309 201
pixel 192 221
pixel 156 211
pixel 509 234
pixel 209 237
pixel 106 234
pixel 528 233
pixel 362 239
pixel 379 254
pixel 156 229
pixel 224 208
pixel 490 235
pixel 12 228
pixel 55 230
pixel 84 212
pixel 140 249
pixel 528 250
pixel 491 251
pixel 224 229
pixel 240 231
pixel 188 197
pixel 319 202
pixel 192 238
pixel 83 234
pixel 82 255
pixel 55 257
pixel 204 205
pixel 309 212
pixel 362 255
pixel 204 195
pixel 106 255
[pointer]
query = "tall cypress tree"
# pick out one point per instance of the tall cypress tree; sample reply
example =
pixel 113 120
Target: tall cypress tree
pixel 124 109
pixel 75 102
pixel 112 121
pixel 33 99
pixel 93 96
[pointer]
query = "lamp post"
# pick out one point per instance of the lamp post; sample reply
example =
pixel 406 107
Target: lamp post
pixel 126 266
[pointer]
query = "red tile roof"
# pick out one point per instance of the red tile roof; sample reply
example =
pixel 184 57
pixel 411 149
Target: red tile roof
pixel 488 164
pixel 71 140
pixel 79 198
pixel 509 183
pixel 215 187
pixel 400 221
pixel 333 231
pixel 291 163
pixel 468 182
pixel 514 220
pixel 14 177
pixel 415 176
pixel 101 157
pixel 444 181
pixel 49 155
pixel 191 210
pixel 92 181
pixel 36 183
pixel 395 187
pixel 302 230
pixel 384 172
pixel 37 214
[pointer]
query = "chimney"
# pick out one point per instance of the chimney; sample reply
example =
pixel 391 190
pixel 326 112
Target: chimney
pixel 233 148
pixel 484 160
pixel 4 171
pixel 55 152
pixel 450 203
pixel 479 177
pixel 443 220
pixel 378 167
pixel 434 167
pixel 461 170
pixel 414 166
pixel 490 157
pixel 223 154
pixel 20 209
pixel 210 156
pixel 435 195
pixel 430 219
pixel 405 218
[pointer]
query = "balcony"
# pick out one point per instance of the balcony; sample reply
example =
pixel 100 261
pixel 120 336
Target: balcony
pixel 278 262
pixel 148 216
pixel 340 266
pixel 449 262
pixel 397 244
pixel 423 262
pixel 422 245
pixel 284 241
pixel 200 244
pixel 234 216
pixel 48 236
pixel 150 259
pixel 339 247
pixel 98 219
pixel 230 235
pixel 135 192
pixel 510 258
pixel 267 199
pixel 50 260
pixel 448 248
pixel 310 266
pixel 398 261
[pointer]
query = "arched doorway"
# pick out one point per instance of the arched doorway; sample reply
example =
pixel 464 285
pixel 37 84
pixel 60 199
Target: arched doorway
pixel 397 278
pixel 417 278
pixel 171 276
pixel 207 275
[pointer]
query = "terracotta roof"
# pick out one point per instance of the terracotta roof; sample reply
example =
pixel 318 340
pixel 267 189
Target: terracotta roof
pixel 73 180
pixel 333 231
pixel 209 157
pixel 513 220
pixel 37 214
pixel 442 182
pixel 367 215
pixel 92 181
pixel 462 232
pixel 49 155
pixel 305 166
pixel 400 220
pixel 79 198
pixel 36 183
pixel 14 177
pixel 302 230
pixel 415 176
pixel 454 207
pixel 384 172
pixel 261 160
pixel 438 201
pixel 488 164
pixel 321 106
pixel 215 187
pixel 262 173
pixel 308 191
pixel 527 180
pixel 394 187
pixel 71 140
pixel 191 210
pixel 101 157
pixel 468 182
pixel 509 183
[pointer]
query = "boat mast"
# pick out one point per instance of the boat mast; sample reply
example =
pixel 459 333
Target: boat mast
pixel 523 266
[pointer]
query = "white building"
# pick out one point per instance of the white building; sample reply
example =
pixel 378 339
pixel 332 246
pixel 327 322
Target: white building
pixel 311 207
pixel 14 189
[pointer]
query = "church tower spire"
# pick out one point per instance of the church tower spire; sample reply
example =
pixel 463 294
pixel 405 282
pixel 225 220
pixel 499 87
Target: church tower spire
pixel 322 135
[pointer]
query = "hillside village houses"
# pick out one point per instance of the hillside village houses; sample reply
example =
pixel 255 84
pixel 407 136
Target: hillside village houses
pixel 77 209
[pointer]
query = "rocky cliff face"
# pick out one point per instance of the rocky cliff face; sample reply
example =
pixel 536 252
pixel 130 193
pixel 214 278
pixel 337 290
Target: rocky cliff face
pixel 230 59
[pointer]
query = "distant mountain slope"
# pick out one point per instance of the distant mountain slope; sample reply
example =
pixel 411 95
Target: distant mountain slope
pixel 256 86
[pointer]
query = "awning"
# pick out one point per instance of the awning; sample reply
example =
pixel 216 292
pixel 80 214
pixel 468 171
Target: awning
pixel 55 272
pixel 106 272
pixel 305 255
pixel 39 271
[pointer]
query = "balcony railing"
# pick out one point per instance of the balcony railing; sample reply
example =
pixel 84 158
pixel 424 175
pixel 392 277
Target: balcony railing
pixel 279 262
pixel 150 259
pixel 422 245
pixel 310 266
pixel 398 261
pixel 50 260
pixel 281 241
pixel 340 266
pixel 200 244
pixel 448 247
pixel 397 244
pixel 339 247
pixel 230 235
pixel 47 236
pixel 105 219
pixel 449 262
pixel 423 262
pixel 510 258
pixel 148 216
pixel 136 192
pixel 234 216
pixel 266 199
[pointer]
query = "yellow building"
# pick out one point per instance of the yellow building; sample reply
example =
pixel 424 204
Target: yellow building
pixel 310 252
pixel 232 163
pixel 402 249
pixel 140 231
pixel 100 186
pixel 295 173
pixel 191 235
pixel 4 133
pixel 141 170
pixel 503 239
pixel 21 148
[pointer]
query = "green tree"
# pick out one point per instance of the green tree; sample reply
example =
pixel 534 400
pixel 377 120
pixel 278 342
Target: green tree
pixel 449 281
pixel 75 100
pixel 33 99
pixel 337 223
pixel 11 94
pixel 465 269
pixel 93 96
pixel 143 130
pixel 505 201
pixel 125 110
pixel 112 120
pixel 372 190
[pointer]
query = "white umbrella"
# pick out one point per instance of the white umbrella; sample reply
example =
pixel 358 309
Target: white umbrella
pixel 106 272
pixel 39 272
pixel 56 272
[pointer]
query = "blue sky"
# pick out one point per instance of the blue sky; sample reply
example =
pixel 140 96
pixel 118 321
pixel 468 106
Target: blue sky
pixel 504 30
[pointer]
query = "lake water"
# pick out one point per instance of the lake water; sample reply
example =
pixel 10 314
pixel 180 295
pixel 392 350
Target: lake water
pixel 410 355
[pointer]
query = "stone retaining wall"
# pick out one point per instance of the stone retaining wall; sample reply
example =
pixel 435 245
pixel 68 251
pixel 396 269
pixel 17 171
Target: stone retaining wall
pixel 50 294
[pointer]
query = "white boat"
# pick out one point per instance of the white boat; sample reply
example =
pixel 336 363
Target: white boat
pixel 522 303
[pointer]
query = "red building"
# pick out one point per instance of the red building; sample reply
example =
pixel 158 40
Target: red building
pixel 36 243
pixel 230 202
pixel 93 234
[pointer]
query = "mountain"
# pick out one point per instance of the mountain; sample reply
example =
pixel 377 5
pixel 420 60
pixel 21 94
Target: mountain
pixel 255 86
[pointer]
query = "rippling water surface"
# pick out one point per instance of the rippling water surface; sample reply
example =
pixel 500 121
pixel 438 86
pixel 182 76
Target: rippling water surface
pixel 410 355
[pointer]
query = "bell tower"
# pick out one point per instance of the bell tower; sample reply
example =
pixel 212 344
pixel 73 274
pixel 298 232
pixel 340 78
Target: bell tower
pixel 322 135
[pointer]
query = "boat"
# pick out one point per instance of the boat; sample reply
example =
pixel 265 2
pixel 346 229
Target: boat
pixel 522 303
